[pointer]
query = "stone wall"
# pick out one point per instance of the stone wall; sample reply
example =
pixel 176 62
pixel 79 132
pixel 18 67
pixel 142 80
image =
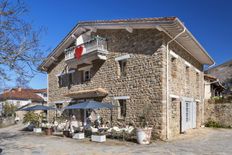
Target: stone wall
pixel 143 83
pixel 218 112
pixel 184 81
pixel 6 121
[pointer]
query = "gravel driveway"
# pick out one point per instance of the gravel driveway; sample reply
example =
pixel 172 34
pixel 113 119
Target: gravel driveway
pixel 200 141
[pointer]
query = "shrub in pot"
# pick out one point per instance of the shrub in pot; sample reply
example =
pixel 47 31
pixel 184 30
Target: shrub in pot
pixel 34 119
pixel 143 131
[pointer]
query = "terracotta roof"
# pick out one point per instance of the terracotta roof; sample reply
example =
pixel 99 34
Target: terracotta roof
pixel 130 20
pixel 40 90
pixel 21 94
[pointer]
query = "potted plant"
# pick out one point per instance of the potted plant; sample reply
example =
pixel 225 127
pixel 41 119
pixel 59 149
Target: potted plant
pixel 33 119
pixel 143 132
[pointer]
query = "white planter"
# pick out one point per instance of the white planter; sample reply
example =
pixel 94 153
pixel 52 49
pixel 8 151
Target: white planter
pixel 37 130
pixel 78 136
pixel 143 135
pixel 98 138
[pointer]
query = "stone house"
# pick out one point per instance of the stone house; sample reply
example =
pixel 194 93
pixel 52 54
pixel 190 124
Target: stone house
pixel 132 63
pixel 22 97
pixel 213 87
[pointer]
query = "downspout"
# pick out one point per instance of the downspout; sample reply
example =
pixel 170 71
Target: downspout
pixel 167 82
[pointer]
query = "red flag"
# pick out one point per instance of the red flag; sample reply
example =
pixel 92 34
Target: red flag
pixel 78 52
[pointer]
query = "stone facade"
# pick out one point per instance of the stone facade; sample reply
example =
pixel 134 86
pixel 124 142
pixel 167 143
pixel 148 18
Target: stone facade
pixel 145 82
pixel 219 112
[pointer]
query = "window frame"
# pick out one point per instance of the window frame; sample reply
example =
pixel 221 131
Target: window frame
pixel 122 109
pixel 84 75
pixel 123 67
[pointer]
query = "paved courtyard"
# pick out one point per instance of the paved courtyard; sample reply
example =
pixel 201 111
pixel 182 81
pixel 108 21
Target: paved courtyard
pixel 202 141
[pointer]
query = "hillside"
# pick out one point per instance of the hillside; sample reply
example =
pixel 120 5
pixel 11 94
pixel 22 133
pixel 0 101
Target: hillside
pixel 223 72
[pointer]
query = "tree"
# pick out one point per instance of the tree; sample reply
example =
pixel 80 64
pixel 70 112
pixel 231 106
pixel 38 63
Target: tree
pixel 20 52
pixel 9 109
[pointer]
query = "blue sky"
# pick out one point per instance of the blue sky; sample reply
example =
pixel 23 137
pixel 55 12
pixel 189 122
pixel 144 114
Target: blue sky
pixel 210 21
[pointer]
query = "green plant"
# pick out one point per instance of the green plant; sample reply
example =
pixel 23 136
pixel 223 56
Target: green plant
pixel 214 124
pixel 9 109
pixel 33 118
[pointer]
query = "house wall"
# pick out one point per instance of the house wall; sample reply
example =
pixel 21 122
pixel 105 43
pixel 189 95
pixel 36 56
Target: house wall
pixel 208 92
pixel 18 103
pixel 183 83
pixel 143 83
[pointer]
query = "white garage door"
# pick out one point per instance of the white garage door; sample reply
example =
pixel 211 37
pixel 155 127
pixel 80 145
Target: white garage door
pixel 188 114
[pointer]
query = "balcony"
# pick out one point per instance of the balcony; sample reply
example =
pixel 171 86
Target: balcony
pixel 92 49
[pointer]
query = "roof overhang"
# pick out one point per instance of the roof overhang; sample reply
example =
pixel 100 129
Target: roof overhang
pixel 92 93
pixel 171 26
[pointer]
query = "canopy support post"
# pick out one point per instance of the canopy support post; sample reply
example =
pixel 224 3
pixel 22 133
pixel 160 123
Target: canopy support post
pixel 84 117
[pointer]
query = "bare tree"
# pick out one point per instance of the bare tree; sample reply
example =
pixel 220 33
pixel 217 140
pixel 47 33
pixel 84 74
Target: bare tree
pixel 20 52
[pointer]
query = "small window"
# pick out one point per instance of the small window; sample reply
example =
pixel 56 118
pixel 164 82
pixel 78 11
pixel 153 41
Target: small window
pixel 61 81
pixel 122 109
pixel 122 65
pixel 59 106
pixel 86 75
pixel 70 78
pixel 174 67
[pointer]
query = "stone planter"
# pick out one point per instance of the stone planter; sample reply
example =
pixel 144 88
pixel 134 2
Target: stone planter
pixel 48 131
pixel 78 136
pixel 143 135
pixel 98 138
pixel 37 130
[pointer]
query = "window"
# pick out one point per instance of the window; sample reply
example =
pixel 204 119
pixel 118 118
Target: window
pixel 122 109
pixel 122 65
pixel 173 67
pixel 59 106
pixel 61 80
pixel 70 78
pixel 86 75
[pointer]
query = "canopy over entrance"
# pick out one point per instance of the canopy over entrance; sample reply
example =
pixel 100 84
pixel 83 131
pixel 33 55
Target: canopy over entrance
pixel 92 93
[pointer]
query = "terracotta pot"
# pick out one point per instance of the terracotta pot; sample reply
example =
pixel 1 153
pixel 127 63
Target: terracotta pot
pixel 48 131
pixel 143 135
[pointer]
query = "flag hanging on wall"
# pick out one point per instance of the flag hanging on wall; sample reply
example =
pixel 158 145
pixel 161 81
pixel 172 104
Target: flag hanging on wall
pixel 78 52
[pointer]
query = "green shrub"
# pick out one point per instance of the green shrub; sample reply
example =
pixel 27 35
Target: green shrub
pixel 9 109
pixel 214 124
pixel 33 118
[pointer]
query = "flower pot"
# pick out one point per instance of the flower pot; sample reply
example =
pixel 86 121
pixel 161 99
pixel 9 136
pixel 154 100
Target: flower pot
pixel 66 133
pixel 48 131
pixel 98 138
pixel 37 130
pixel 143 135
pixel 79 136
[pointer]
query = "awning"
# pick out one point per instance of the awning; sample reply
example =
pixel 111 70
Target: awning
pixel 92 93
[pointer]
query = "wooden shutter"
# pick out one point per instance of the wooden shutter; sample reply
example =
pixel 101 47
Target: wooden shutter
pixel 194 115
pixel 183 116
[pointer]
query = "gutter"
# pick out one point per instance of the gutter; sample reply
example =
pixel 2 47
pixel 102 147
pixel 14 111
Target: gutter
pixel 167 81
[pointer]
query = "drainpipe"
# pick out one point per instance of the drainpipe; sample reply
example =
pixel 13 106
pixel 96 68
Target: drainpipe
pixel 167 82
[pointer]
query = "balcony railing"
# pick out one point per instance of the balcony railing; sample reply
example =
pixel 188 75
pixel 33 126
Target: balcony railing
pixel 96 44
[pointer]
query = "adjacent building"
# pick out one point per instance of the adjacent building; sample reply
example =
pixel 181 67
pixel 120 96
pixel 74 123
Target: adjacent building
pixel 223 73
pixel 132 63
pixel 21 97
